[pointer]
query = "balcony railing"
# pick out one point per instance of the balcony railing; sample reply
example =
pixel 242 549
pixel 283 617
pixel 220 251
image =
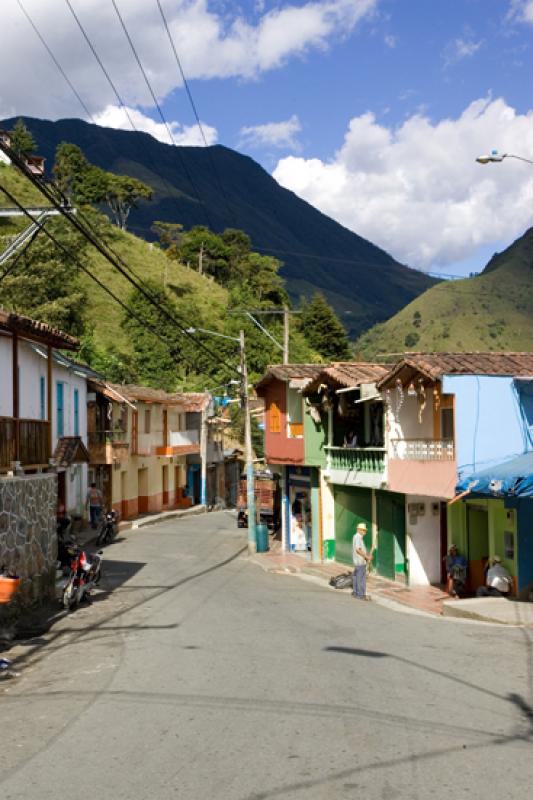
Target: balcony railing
pixel 423 449
pixel 184 438
pixel 98 438
pixel 360 459
pixel 23 440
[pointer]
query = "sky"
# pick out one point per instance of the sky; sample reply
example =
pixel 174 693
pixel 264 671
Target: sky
pixel 372 110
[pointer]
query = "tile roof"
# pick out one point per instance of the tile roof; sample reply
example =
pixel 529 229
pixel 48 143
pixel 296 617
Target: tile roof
pixel 70 450
pixel 348 373
pixel 37 331
pixel 435 365
pixel 189 401
pixel 287 372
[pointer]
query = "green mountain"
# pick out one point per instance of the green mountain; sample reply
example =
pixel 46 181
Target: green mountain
pixel 221 188
pixel 491 311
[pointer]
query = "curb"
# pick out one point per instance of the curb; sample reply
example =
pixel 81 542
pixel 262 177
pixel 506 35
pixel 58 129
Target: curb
pixel 184 512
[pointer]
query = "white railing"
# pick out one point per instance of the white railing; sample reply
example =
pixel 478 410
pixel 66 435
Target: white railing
pixel 423 449
pixel 181 438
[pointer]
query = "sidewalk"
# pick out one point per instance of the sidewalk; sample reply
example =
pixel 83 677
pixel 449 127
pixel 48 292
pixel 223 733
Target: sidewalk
pixel 491 609
pixel 88 535
pixel 422 599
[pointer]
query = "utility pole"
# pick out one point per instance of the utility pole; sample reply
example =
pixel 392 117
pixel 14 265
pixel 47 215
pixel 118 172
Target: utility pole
pixel 286 335
pixel 250 482
pixel 201 259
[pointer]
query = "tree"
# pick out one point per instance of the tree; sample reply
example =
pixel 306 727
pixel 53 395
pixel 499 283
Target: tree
pixel 323 330
pixel 22 142
pixel 122 194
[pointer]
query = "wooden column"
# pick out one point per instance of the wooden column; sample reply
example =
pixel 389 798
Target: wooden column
pixel 16 404
pixel 49 400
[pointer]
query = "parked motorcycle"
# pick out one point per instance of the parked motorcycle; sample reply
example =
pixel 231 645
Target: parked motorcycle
pixel 109 528
pixel 79 576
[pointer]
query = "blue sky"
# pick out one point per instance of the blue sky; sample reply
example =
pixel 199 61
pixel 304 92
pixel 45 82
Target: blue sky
pixel 372 110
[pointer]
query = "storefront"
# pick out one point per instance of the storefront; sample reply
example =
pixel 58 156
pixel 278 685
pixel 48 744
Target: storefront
pixel 298 509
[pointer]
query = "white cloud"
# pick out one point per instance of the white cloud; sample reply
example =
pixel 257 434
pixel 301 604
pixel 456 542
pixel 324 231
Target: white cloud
pixel 460 48
pixel 273 134
pixel 521 11
pixel 210 44
pixel 116 117
pixel 416 190
pixel 390 41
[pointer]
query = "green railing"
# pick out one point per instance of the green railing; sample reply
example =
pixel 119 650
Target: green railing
pixel 357 459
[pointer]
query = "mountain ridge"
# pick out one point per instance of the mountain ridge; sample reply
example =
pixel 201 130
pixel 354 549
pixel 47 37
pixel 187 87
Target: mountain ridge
pixel 363 282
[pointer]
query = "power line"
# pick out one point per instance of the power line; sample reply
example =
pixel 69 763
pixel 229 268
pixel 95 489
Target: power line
pixel 26 247
pixel 70 254
pixel 159 109
pixel 123 270
pixel 54 59
pixel 195 110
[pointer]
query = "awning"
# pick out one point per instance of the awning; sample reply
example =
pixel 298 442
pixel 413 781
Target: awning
pixel 70 450
pixel 512 478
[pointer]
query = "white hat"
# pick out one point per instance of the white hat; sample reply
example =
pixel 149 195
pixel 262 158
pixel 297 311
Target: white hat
pixel 362 526
pixel 496 560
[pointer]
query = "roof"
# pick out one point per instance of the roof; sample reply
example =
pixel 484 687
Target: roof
pixel 287 372
pixel 83 370
pixel 188 401
pixel 434 365
pixel 36 331
pixel 348 373
pixel 511 478
pixel 70 450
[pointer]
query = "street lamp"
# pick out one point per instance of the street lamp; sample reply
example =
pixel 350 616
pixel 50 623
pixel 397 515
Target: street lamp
pixel 494 157
pixel 250 483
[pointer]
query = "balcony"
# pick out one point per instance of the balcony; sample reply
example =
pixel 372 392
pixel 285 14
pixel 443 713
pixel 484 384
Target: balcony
pixel 107 447
pixel 357 466
pixel 423 449
pixel 23 440
pixel 180 443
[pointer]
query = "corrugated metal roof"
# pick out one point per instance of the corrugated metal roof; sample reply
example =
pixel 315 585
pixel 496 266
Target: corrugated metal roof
pixel 435 365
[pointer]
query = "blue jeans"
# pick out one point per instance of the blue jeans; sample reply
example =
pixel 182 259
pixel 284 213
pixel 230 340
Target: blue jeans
pixel 359 580
pixel 94 513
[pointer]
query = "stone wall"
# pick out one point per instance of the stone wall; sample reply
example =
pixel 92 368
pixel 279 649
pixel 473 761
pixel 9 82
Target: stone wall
pixel 28 539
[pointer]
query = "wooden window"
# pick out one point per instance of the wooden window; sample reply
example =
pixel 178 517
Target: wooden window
pixel 147 420
pixel 134 433
pixel 274 423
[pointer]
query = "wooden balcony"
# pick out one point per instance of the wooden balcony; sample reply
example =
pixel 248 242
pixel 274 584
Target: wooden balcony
pixel 423 449
pixel 107 447
pixel 180 443
pixel 25 441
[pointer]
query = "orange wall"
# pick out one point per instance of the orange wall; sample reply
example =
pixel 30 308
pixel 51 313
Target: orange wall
pixel 279 448
pixel 428 478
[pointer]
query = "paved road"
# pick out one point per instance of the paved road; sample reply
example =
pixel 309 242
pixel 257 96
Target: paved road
pixel 203 676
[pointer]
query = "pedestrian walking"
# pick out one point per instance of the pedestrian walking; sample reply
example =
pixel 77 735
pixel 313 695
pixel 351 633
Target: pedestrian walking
pixel 360 560
pixel 95 502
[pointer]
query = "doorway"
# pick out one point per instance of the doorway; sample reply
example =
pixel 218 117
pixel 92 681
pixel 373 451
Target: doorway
pixel 164 478
pixel 477 544
pixel 390 554
pixel 123 494
pixel 142 476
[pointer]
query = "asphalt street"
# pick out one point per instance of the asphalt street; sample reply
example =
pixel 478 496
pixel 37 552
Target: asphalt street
pixel 196 674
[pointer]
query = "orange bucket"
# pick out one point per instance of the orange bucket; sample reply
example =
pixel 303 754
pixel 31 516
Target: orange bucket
pixel 8 587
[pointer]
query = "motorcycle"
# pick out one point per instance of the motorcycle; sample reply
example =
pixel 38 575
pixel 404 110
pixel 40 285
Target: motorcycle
pixel 108 531
pixel 80 576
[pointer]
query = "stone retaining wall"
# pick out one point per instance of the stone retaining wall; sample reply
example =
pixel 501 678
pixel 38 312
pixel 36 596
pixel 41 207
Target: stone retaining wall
pixel 28 538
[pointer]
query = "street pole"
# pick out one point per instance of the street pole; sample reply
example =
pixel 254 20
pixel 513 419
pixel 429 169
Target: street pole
pixel 250 483
pixel 285 334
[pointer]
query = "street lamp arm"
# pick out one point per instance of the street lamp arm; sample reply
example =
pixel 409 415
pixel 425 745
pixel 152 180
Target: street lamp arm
pixel 520 158
pixel 267 333
pixel 214 333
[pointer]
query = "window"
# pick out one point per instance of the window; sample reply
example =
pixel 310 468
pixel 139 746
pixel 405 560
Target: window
pixel 147 420
pixel 42 397
pixel 446 423
pixel 76 412
pixel 274 417
pixel 60 408
pixel 295 412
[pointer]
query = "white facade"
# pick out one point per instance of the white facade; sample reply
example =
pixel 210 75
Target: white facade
pixel 423 521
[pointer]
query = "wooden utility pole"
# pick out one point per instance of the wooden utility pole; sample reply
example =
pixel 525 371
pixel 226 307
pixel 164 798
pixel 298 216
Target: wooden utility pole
pixel 250 482
pixel 201 259
pixel 286 334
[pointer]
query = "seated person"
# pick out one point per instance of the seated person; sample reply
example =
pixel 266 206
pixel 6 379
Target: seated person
pixel 456 566
pixel 350 439
pixel 498 582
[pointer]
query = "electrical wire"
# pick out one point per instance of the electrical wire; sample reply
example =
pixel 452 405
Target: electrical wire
pixel 145 291
pixel 70 254
pixel 19 255
pixel 195 110
pixel 54 59
pixel 159 109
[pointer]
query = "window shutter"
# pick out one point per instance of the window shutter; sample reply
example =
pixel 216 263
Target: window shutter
pixel 274 419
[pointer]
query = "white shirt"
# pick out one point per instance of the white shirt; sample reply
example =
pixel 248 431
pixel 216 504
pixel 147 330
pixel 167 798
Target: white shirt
pixel 358 543
pixel 499 578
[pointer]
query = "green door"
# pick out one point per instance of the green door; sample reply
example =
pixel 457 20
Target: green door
pixel 390 552
pixel 352 506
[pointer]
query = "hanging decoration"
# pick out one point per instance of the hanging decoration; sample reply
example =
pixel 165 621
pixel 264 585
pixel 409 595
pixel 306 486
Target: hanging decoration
pixel 399 397
pixel 421 400
pixel 436 398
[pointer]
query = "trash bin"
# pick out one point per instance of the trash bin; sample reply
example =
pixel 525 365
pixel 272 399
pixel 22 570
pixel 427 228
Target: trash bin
pixel 261 537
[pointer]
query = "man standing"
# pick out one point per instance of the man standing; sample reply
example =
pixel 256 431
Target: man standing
pixel 94 502
pixel 360 560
